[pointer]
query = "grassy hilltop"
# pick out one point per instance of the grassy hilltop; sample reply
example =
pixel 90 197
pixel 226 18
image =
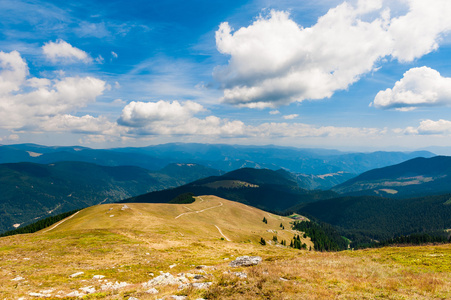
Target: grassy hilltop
pixel 132 243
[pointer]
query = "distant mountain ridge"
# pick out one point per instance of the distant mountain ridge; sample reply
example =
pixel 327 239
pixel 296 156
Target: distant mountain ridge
pixel 216 156
pixel 415 177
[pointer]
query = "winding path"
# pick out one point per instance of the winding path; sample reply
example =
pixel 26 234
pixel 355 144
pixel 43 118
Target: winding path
pixel 61 222
pixel 220 231
pixel 199 211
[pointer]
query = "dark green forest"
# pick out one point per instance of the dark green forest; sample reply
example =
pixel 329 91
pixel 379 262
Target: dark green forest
pixel 39 225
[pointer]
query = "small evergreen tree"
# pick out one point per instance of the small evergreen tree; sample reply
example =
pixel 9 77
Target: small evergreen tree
pixel 265 221
pixel 262 241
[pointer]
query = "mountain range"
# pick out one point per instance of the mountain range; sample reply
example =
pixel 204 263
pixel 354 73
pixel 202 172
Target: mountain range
pixel 217 156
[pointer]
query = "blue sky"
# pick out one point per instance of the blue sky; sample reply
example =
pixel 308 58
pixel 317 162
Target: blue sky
pixel 355 75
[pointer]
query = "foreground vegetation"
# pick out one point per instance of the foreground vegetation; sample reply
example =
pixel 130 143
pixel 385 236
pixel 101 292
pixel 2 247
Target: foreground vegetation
pixel 133 243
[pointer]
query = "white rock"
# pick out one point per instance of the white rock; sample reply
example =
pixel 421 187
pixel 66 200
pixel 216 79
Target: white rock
pixel 132 298
pixel 124 208
pixel 245 261
pixel 88 289
pixel 38 295
pixel 98 276
pixel 178 297
pixel 165 279
pixel 113 286
pixel 76 274
pixel 152 291
pixel 18 278
pixel 172 266
pixel 240 274
pixel 75 294
pixel 283 279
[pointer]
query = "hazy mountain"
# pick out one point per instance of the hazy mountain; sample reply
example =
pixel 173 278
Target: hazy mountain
pixel 31 191
pixel 221 157
pixel 416 177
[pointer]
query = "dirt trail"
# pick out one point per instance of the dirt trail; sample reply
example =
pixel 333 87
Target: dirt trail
pixel 199 211
pixel 61 222
pixel 220 231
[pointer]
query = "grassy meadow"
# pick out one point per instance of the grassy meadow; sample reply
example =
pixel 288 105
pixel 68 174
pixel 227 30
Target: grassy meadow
pixel 134 243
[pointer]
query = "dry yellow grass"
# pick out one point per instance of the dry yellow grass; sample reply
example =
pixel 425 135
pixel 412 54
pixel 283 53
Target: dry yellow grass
pixel 149 238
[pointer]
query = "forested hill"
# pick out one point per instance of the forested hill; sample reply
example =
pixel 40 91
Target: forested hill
pixel 380 218
pixel 415 177
pixel 260 188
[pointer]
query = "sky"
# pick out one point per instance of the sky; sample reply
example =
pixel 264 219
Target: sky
pixel 354 75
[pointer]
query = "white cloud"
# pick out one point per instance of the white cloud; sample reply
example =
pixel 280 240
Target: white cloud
pixel 13 71
pixel 86 124
pixel 166 118
pixel 63 52
pixel 430 127
pixel 274 61
pixel 27 102
pixel 114 54
pixel 139 114
pixel 13 137
pixel 419 87
pixel 274 112
pixel 291 117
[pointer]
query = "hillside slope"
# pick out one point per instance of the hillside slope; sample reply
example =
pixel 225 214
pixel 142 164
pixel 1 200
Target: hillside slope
pixel 31 191
pixel 155 251
pixel 262 188
pixel 415 177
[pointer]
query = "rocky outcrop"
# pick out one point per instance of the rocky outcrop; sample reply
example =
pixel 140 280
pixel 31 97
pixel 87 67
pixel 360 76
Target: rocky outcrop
pixel 245 261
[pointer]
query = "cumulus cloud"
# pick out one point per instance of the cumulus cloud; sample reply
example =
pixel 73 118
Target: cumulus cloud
pixel 419 87
pixel 63 52
pixel 34 103
pixel 13 71
pixel 430 127
pixel 174 118
pixel 274 61
pixel 291 117
pixel 139 114
pixel 274 112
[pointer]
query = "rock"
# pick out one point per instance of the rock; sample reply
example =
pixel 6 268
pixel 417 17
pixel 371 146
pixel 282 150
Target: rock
pixel 172 266
pixel 240 274
pixel 201 285
pixel 76 274
pixel 165 279
pixel 132 298
pixel 178 297
pixel 75 294
pixel 113 286
pixel 196 285
pixel 18 278
pixel 245 261
pixel 88 289
pixel 197 277
pixel 98 277
pixel 200 266
pixel 125 207
pixel 38 295
pixel 152 291
pixel 283 279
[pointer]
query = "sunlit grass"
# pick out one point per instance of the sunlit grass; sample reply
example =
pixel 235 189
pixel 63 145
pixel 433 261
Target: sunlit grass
pixel 147 239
